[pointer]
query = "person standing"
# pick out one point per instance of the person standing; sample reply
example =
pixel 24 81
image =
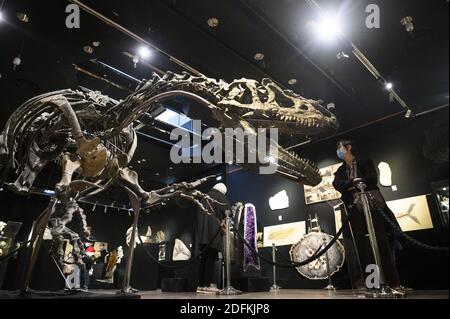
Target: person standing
pixel 210 229
pixel 355 169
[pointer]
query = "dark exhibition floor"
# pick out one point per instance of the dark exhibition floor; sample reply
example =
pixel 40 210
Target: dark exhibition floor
pixel 283 294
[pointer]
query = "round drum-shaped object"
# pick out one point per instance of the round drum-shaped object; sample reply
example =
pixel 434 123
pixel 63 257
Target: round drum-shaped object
pixel 317 269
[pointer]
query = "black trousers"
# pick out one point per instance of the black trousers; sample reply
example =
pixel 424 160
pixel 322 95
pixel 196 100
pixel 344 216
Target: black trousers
pixel 207 262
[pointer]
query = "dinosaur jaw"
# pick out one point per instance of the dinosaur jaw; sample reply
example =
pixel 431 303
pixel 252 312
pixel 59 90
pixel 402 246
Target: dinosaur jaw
pixel 295 121
pixel 297 126
pixel 289 165
pixel 298 169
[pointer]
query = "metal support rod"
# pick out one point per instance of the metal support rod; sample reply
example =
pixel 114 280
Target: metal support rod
pixel 362 58
pixel 330 284
pixel 135 203
pixel 35 245
pixel 383 291
pixel 274 287
pixel 222 265
pixel 371 230
pixel 228 290
pixel 122 29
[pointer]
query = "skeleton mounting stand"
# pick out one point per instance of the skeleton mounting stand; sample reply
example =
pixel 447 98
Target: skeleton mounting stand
pixel 228 290
pixel 274 287
pixel 36 238
pixel 383 291
pixel 136 205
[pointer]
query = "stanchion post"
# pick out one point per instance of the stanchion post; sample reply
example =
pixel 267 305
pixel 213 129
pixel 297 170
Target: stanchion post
pixel 228 290
pixel 330 284
pixel 274 287
pixel 384 291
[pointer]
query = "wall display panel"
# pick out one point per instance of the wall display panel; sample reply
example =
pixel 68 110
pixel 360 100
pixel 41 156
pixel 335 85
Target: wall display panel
pixel 412 213
pixel 285 234
pixel 325 190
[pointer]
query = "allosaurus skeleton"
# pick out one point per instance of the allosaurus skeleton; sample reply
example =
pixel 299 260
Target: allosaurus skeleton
pixel 94 139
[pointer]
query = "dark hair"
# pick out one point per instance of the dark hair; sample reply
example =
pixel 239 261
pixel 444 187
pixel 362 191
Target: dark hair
pixel 347 143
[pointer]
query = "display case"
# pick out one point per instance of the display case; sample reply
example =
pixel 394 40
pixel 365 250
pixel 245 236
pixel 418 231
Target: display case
pixel 441 195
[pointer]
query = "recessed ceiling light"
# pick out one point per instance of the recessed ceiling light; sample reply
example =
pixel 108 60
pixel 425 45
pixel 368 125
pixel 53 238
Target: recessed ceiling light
pixel 23 17
pixel 96 44
pixel 292 81
pixel 259 56
pixel 213 22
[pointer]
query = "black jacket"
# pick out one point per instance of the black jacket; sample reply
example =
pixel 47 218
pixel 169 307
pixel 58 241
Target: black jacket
pixel 365 170
pixel 208 226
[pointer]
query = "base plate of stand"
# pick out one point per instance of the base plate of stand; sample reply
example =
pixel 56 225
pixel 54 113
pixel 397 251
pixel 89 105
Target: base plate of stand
pixel 384 292
pixel 274 288
pixel 230 291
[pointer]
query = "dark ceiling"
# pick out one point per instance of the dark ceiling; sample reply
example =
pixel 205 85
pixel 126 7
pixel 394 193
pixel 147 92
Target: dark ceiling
pixel 416 63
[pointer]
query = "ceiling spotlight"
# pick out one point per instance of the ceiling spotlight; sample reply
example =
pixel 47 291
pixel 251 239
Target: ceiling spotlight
pixel 144 52
pixel 213 22
pixel 136 60
pixel 408 114
pixel 259 56
pixel 96 44
pixel 17 62
pixel 389 86
pixel 328 28
pixel 407 22
pixel 23 17
pixel 331 106
pixel 342 55
pixel 1 16
pixel 292 82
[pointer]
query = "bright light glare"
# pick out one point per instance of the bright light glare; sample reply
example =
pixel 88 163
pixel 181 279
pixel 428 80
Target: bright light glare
pixel 1 16
pixel 144 52
pixel 389 86
pixel 328 28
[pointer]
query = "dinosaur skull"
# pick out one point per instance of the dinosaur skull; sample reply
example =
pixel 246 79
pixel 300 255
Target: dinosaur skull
pixel 266 105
